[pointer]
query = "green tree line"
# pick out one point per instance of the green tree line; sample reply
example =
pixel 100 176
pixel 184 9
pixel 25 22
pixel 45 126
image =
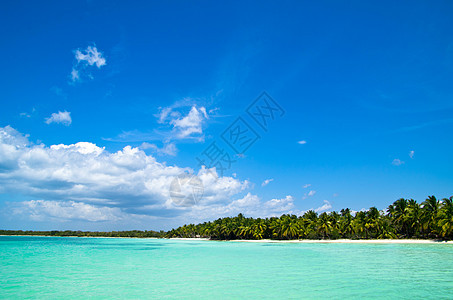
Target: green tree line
pixel 131 233
pixel 404 218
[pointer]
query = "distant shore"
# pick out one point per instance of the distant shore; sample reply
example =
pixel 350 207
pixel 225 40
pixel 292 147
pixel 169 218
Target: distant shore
pixel 306 241
pixel 339 241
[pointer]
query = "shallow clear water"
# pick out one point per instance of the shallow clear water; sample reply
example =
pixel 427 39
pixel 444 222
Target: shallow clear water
pixel 53 267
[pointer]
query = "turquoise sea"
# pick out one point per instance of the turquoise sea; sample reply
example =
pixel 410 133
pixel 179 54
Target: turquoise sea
pixel 104 268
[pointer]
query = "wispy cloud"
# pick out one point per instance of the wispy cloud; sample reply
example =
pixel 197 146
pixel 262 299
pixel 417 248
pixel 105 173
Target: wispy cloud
pixel 303 142
pixel 324 207
pixel 397 162
pixel 309 194
pixel 42 210
pixel 166 149
pixel 58 91
pixel 74 75
pixel 411 154
pixel 90 56
pixel 423 125
pixel 267 181
pixel 86 58
pixel 307 185
pixel 26 114
pixel 60 118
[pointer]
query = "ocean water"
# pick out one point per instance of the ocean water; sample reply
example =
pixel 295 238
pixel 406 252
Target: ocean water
pixel 104 268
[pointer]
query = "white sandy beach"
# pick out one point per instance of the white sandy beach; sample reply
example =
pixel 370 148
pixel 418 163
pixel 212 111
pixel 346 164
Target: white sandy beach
pixel 339 241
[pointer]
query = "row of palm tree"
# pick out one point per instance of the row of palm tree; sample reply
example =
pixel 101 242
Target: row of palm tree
pixel 405 218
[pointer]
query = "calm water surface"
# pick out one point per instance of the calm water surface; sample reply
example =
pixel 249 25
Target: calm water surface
pixel 53 267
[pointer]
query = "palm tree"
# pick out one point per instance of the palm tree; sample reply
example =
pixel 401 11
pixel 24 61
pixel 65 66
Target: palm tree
pixel 371 221
pixel 289 228
pixel 259 229
pixel 398 211
pixel 346 228
pixel 324 224
pixel 430 214
pixel 413 217
pixel 446 218
pixel 385 229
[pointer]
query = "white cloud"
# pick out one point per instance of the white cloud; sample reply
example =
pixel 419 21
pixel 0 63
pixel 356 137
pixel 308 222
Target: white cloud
pixel 190 124
pixel 307 185
pixel 267 181
pixel 185 118
pixel 411 154
pixel 249 205
pixel 26 114
pixel 324 207
pixel 167 149
pixel 397 162
pixel 86 58
pixel 60 118
pixel 40 210
pixel 84 178
pixel 309 194
pixel 74 75
pixel 90 56
pixel 302 142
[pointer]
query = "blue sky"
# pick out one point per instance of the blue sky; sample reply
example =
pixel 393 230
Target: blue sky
pixel 148 86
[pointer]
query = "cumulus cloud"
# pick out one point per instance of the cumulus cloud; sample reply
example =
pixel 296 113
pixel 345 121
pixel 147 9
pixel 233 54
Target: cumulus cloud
pixel 41 210
pixel 411 154
pixel 184 124
pixel 267 181
pixel 302 142
pixel 191 123
pixel 397 162
pixel 86 58
pixel 324 207
pixel 185 119
pixel 85 179
pixel 60 118
pixel 249 205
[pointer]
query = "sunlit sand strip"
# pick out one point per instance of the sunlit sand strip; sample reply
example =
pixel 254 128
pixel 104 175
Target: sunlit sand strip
pixel 340 241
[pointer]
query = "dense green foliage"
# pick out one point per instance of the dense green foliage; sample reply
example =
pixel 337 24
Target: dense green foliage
pixel 132 233
pixel 404 218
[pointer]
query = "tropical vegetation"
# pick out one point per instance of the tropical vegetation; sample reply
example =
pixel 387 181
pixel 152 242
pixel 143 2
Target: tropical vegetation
pixel 67 233
pixel 403 219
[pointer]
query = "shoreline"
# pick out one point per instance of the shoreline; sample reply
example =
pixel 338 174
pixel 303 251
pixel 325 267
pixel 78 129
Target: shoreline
pixel 307 241
pixel 339 241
